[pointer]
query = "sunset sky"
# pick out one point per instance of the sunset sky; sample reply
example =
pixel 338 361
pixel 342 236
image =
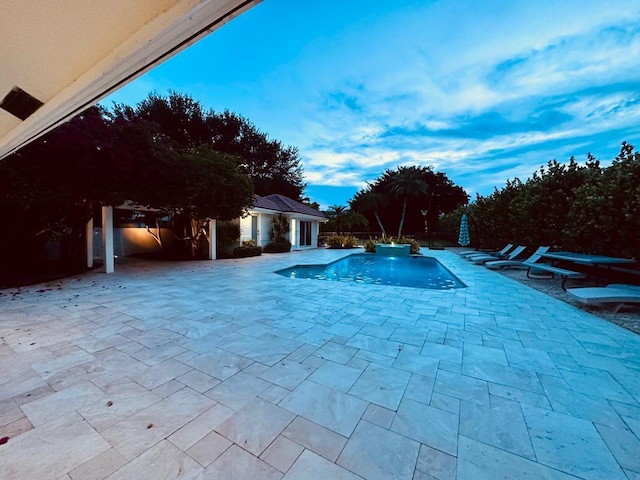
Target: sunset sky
pixel 483 91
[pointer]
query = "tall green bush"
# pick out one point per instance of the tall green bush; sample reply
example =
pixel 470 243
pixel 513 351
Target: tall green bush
pixel 579 207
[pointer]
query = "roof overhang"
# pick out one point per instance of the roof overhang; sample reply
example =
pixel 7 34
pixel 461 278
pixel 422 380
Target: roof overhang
pixel 69 54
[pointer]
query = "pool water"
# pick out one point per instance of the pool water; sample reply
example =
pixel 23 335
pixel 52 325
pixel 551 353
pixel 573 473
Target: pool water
pixel 419 272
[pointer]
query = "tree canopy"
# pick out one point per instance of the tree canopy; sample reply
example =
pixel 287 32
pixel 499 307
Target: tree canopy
pixel 396 199
pixel 272 167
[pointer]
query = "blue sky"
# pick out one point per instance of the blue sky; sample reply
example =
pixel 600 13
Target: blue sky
pixel 483 91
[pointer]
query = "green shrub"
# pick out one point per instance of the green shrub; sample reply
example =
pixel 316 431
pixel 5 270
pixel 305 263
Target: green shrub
pixel 370 246
pixel 350 241
pixel 342 241
pixel 277 247
pixel 334 241
pixel 247 251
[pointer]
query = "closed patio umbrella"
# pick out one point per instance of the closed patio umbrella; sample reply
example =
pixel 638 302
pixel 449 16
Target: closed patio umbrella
pixel 463 238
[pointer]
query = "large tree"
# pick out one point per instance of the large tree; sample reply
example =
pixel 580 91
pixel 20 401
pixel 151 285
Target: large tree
pixel 441 196
pixel 272 167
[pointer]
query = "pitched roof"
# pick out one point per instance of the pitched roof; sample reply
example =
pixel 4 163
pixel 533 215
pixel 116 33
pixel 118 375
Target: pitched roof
pixel 280 203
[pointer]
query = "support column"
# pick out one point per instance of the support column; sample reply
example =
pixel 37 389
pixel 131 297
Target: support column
pixel 89 235
pixel 213 240
pixel 107 239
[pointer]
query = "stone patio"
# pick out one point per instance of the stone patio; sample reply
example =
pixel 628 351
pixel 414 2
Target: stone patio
pixel 223 369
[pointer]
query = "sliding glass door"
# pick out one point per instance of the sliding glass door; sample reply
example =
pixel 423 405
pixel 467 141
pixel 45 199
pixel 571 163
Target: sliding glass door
pixel 305 233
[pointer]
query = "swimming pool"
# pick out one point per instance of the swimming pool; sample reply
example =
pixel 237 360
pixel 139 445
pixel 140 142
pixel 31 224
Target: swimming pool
pixel 414 271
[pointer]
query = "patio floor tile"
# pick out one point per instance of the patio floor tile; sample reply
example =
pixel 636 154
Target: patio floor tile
pixel 220 364
pixel 256 425
pixel 144 429
pixel 462 387
pixel 439 465
pixel 51 450
pixel 320 440
pixel 163 461
pixel 330 408
pixel 238 390
pixel 100 466
pixel 310 466
pixel 428 425
pixel 227 370
pixel 287 374
pixel 570 444
pixel 238 464
pixel 478 460
pixel 60 403
pixel 209 448
pixel 382 386
pixel 501 426
pixel 282 453
pixel 337 376
pixel 377 453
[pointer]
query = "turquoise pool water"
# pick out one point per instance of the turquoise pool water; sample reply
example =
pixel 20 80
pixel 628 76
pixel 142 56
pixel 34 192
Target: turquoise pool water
pixel 419 272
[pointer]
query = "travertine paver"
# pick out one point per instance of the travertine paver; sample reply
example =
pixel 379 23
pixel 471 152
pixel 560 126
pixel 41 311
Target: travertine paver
pixel 227 370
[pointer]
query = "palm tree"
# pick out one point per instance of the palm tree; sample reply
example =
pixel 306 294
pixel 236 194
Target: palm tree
pixel 369 201
pixel 337 214
pixel 407 182
pixel 354 219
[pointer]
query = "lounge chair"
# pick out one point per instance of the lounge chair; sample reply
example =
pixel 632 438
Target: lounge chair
pixel 542 268
pixel 502 264
pixel 616 293
pixel 497 253
pixel 480 259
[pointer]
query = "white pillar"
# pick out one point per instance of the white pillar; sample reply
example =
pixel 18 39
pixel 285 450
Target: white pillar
pixel 89 235
pixel 107 239
pixel 212 238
